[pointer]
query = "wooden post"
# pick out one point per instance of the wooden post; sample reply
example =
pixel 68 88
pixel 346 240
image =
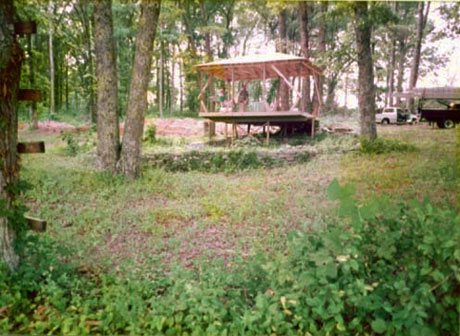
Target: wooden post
pixel 203 107
pixel 31 147
pixel 268 133
pixel 36 224
pixel 212 124
pixel 233 88
pixel 264 89
pixel 313 127
pixel 29 95
pixel 25 28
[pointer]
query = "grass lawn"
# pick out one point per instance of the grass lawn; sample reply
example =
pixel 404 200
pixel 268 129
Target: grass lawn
pixel 165 217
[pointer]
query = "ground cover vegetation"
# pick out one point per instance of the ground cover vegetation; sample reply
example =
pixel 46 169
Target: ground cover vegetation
pixel 337 234
pixel 294 263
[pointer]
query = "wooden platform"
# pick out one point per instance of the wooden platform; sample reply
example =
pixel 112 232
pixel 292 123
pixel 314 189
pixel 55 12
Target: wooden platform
pixel 258 118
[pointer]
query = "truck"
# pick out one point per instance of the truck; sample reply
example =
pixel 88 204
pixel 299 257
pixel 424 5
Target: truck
pixel 439 105
pixel 395 115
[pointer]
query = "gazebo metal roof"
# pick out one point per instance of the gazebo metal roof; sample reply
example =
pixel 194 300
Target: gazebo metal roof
pixel 253 67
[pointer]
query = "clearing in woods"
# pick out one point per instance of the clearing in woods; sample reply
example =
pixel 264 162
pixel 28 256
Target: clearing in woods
pixel 167 217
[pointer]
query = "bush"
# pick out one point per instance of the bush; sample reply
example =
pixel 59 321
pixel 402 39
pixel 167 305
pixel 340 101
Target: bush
pixel 208 161
pixel 151 134
pixel 72 147
pixel 382 146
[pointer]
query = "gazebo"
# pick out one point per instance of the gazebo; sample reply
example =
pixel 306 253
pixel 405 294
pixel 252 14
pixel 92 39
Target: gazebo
pixel 261 67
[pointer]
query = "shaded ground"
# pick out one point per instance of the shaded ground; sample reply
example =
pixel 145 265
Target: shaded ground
pixel 167 217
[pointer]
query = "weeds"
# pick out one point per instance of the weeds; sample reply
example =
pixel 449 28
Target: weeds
pixel 383 146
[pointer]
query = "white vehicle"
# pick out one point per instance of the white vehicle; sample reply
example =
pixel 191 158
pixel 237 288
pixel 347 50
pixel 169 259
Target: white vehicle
pixel 413 119
pixel 393 115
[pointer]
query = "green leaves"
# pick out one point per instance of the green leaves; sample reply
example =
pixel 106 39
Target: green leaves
pixel 379 326
pixel 337 193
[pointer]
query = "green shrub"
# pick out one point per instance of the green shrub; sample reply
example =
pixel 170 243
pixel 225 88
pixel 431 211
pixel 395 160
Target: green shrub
pixel 72 147
pixel 382 146
pixel 151 134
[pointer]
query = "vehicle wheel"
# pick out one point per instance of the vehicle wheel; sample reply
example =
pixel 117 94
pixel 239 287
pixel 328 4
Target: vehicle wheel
pixel 385 122
pixel 449 124
pixel 440 124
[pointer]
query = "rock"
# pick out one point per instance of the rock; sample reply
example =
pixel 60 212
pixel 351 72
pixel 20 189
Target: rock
pixel 195 146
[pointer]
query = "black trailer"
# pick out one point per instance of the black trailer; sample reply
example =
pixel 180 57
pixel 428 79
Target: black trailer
pixel 440 105
pixel 444 118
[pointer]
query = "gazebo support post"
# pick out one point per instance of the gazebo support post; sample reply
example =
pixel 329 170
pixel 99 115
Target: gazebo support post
pixel 316 111
pixel 233 88
pixel 212 124
pixel 264 89
pixel 268 133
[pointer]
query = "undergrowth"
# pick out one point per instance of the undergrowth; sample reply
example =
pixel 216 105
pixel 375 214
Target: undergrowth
pixel 383 146
pixel 382 268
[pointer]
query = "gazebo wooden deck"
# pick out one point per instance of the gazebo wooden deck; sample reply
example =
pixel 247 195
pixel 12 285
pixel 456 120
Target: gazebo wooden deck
pixel 260 67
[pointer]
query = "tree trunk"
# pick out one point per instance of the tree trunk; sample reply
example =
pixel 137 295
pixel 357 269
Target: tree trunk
pixel 392 65
pixel 207 44
pixel 321 49
pixel 161 96
pixel 67 106
pixel 108 139
pixel 402 58
pixel 172 87
pixel 92 103
pixel 137 103
pixel 181 82
pixel 11 57
pixel 330 97
pixel 418 48
pixel 366 92
pixel 51 56
pixel 283 87
pixel 304 44
pixel 33 105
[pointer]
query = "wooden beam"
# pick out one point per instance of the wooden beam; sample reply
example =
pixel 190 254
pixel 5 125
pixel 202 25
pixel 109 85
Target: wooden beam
pixel 29 95
pixel 264 88
pixel 25 28
pixel 36 224
pixel 285 79
pixel 313 69
pixel 203 90
pixel 31 147
pixel 298 95
pixel 319 98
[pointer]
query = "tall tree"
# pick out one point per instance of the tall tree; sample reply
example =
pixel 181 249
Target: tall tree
pixel 304 28
pixel 421 23
pixel 81 8
pixel 322 28
pixel 283 88
pixel 107 89
pixel 11 57
pixel 51 56
pixel 33 105
pixel 137 102
pixel 366 91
